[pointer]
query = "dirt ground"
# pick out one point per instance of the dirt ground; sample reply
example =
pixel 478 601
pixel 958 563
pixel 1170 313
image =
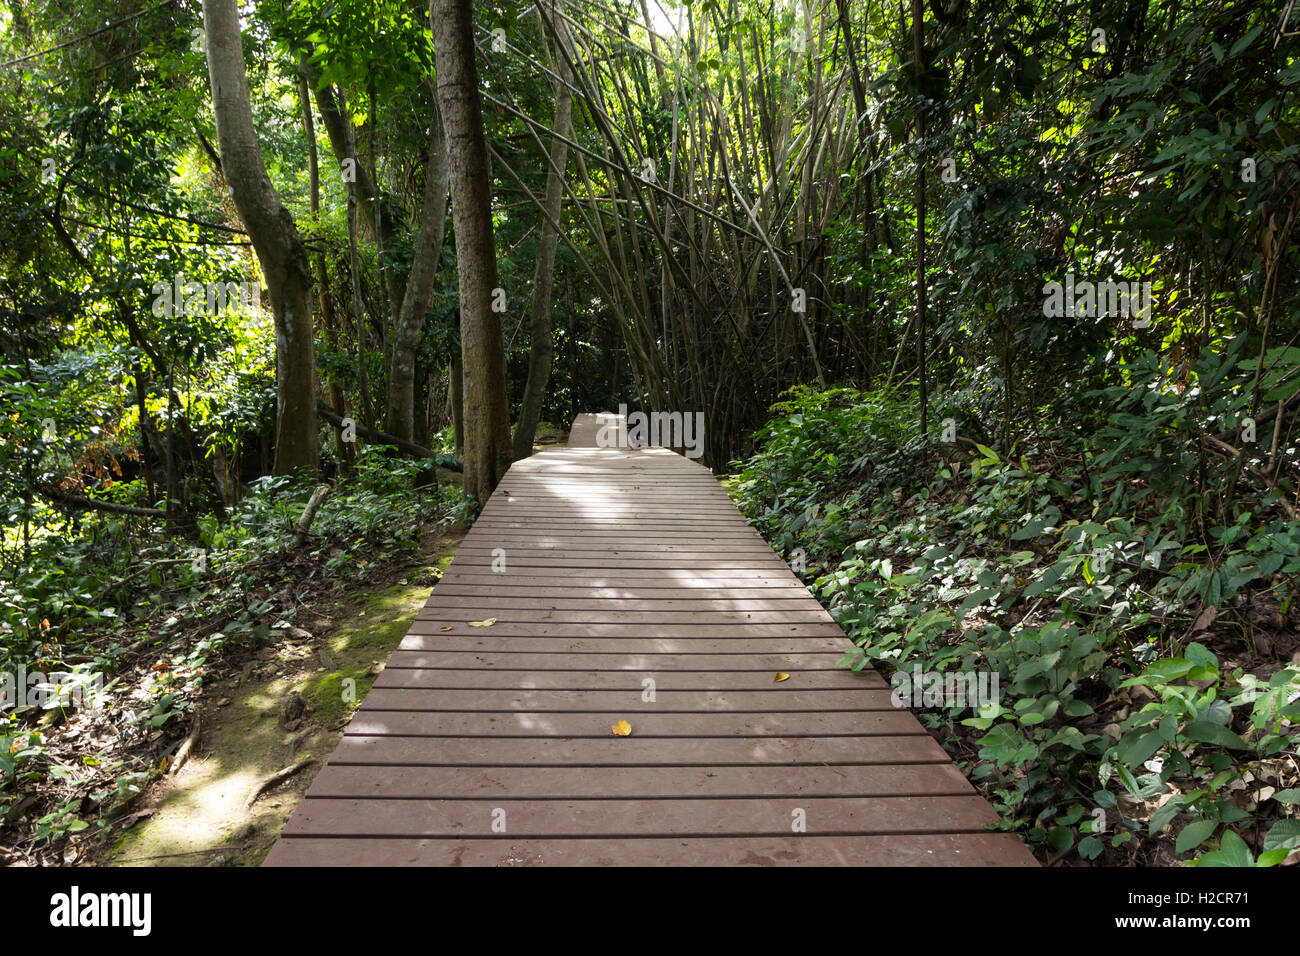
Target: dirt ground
pixel 286 708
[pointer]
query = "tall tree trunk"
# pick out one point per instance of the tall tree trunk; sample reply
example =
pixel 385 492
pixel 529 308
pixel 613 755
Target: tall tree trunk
pixel 487 412
pixel 408 303
pixel 918 52
pixel 542 347
pixel 343 141
pixel 274 236
pixel 419 286
pixel 456 386
pixel 329 323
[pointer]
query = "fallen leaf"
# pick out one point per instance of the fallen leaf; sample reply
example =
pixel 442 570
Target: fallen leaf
pixel 780 677
pixel 447 628
pixel 621 729
pixel 488 623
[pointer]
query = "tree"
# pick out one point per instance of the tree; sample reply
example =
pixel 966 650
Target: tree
pixel 409 321
pixel 409 301
pixel 486 411
pixel 275 239
pixel 919 74
pixel 539 357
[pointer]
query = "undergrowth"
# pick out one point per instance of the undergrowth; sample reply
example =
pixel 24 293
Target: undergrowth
pixel 1134 596
pixel 147 615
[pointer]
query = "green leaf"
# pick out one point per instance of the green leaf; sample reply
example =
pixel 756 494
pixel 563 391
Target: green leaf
pixel 1232 851
pixel 978 596
pixel 1135 751
pixel 1285 835
pixel 1272 857
pixel 1206 732
pixel 1060 839
pixel 1168 810
pixel 1090 848
pixel 1194 834
pixel 1167 670
pixel 1126 778
pixel 1244 42
pixel 1270 563
pixel 1031 530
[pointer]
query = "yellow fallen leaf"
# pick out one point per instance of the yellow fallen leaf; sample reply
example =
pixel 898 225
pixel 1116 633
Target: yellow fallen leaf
pixel 447 628
pixel 780 677
pixel 621 729
pixel 488 623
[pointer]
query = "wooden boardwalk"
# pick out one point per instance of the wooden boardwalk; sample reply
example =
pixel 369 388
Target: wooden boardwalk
pixel 632 591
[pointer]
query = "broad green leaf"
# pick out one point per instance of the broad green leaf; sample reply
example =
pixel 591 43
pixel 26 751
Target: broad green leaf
pixel 1232 851
pixel 1206 732
pixel 1194 834
pixel 1285 835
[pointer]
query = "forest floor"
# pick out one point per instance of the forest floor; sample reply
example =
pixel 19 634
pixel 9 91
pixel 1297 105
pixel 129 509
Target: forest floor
pixel 281 705
pixel 260 716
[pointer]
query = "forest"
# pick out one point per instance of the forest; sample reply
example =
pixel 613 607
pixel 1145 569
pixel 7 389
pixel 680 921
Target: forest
pixel 988 313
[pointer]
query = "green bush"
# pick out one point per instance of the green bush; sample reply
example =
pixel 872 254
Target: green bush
pixel 1082 588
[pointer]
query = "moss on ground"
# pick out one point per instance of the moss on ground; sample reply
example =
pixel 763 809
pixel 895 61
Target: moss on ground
pixel 199 817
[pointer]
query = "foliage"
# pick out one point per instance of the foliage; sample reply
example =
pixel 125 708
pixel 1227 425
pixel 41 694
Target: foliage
pixel 1133 697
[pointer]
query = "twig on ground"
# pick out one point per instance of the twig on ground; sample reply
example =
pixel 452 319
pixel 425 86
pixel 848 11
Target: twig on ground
pixel 276 778
pixel 186 748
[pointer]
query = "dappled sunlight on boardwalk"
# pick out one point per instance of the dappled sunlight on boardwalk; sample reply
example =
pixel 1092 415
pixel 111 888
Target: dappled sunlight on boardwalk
pixel 604 585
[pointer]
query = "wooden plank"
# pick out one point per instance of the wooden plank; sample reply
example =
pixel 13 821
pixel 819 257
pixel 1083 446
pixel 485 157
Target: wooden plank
pixel 541 661
pixel 949 849
pixel 733 630
pixel 633 751
pixel 373 722
pixel 493 641
pixel 490 597
pixel 610 614
pixel 631 681
pixel 614 817
pixel 628 703
pixel 486 783
pixel 622 545
pixel 561 581
pixel 604 562
pixel 461 586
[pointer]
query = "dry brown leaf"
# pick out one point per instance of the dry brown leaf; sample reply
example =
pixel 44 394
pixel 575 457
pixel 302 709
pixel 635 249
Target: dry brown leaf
pixel 621 729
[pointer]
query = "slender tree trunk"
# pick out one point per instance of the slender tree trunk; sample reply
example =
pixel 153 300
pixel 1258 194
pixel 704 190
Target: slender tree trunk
pixel 487 412
pixel 338 127
pixel 329 323
pixel 542 347
pixel 363 350
pixel 275 238
pixel 419 286
pixel 918 51
pixel 409 302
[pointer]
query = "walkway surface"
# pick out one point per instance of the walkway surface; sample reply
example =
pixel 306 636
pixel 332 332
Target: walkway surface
pixel 627 587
